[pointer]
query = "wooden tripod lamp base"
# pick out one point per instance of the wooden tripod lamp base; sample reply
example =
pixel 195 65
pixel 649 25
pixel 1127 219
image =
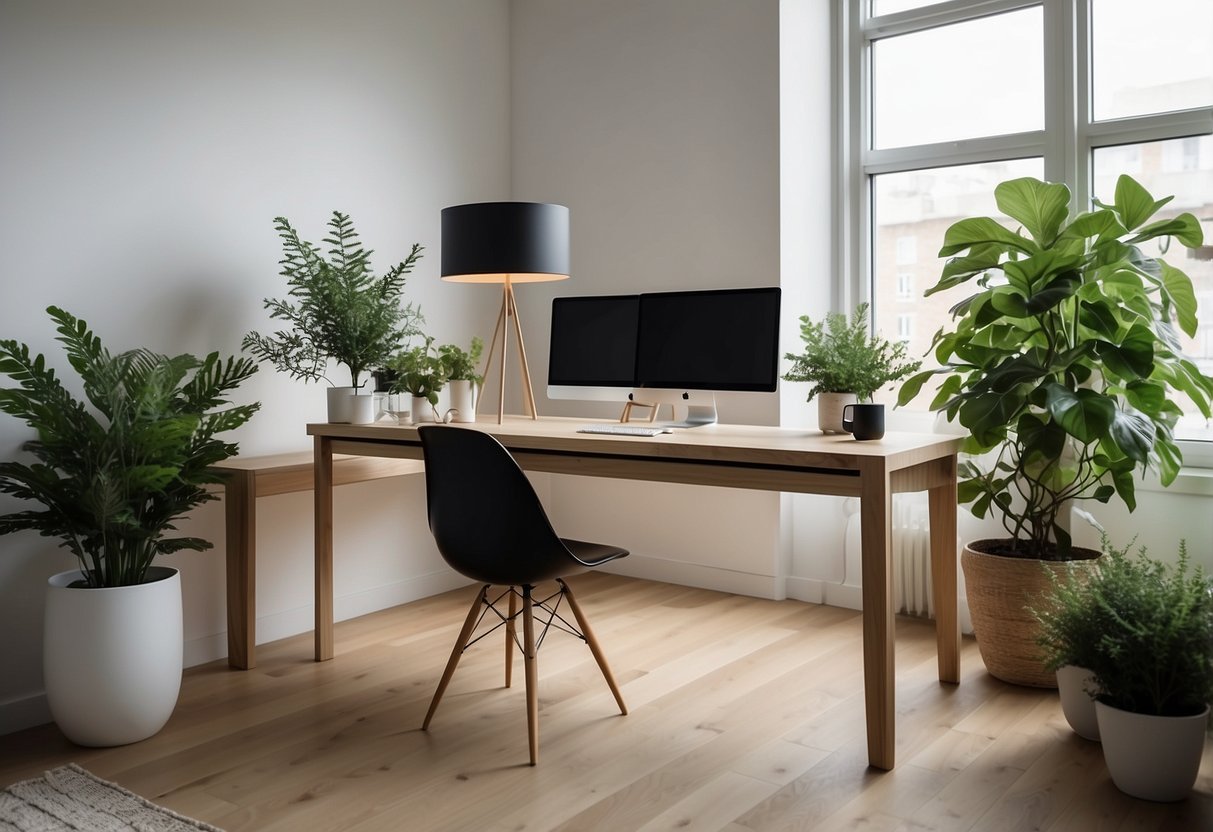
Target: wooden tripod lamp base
pixel 506 243
pixel 501 333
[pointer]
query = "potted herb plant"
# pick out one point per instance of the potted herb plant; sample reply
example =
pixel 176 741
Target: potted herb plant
pixel 420 373
pixel 1070 630
pixel 459 368
pixel 1063 366
pixel 1145 630
pixel 336 309
pixel 113 474
pixel 845 364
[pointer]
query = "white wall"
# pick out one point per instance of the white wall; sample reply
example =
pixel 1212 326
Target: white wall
pixel 145 149
pixel 657 123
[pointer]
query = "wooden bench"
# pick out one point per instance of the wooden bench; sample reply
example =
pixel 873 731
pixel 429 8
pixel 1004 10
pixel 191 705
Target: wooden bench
pixel 244 480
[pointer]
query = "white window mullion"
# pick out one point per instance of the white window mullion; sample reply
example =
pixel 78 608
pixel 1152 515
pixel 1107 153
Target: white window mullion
pixel 1065 99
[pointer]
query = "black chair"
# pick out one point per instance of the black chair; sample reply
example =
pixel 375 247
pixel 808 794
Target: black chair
pixel 490 526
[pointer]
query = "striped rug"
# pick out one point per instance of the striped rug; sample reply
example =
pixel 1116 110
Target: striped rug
pixel 69 798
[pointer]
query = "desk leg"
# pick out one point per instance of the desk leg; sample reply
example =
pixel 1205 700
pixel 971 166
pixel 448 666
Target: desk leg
pixel 942 501
pixel 878 672
pixel 324 547
pixel 240 512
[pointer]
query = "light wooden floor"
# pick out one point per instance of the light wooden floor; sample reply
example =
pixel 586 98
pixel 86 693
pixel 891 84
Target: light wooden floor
pixel 745 715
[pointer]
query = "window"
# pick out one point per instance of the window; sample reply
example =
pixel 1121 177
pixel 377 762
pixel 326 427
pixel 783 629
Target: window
pixel 948 99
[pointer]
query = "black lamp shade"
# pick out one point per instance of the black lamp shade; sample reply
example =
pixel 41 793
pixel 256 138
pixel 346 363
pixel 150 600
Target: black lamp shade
pixel 490 242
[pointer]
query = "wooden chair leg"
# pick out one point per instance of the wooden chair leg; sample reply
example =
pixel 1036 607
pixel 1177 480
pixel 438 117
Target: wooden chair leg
pixel 593 645
pixel 532 675
pixel 465 635
pixel 509 638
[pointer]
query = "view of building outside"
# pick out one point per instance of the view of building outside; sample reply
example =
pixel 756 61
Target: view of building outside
pixel 912 209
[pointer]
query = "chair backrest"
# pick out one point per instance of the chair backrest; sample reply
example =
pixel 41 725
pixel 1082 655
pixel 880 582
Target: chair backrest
pixel 485 516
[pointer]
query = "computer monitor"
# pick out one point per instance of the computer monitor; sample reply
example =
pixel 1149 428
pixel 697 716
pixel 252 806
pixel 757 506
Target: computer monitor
pixel 680 347
pixel 694 343
pixel 592 354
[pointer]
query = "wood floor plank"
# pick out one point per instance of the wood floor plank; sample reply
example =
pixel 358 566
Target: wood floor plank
pixel 745 715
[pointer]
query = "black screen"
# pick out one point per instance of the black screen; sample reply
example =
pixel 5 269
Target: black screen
pixel 712 340
pixel 594 341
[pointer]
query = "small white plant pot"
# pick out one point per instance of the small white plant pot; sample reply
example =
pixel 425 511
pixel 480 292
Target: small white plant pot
pixel 1076 705
pixel 112 657
pixel 361 409
pixel 463 400
pixel 1152 757
pixel 829 410
pixel 339 404
pixel 422 410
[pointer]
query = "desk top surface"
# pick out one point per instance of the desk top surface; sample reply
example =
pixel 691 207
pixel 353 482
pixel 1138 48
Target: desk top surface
pixel 720 442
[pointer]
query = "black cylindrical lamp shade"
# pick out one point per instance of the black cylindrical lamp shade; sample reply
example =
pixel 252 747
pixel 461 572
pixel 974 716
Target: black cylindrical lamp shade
pixel 484 242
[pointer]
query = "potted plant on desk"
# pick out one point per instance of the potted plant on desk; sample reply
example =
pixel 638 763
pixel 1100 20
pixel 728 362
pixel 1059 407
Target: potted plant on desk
pixel 336 309
pixel 459 367
pixel 420 373
pixel 845 364
pixel 1061 366
pixel 113 475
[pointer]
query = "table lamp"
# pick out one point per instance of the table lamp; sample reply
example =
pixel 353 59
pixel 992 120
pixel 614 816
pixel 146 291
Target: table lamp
pixel 506 243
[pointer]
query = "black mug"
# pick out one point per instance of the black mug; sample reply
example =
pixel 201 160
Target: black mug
pixel 866 423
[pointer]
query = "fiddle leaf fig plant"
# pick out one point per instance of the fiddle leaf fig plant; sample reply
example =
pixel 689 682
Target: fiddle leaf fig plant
pixel 336 308
pixel 1064 364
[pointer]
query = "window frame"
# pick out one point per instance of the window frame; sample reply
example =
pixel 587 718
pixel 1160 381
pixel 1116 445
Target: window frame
pixel 1066 144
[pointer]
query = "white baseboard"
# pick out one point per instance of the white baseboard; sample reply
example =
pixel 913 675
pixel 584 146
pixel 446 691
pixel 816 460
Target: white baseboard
pixel 698 575
pixel 18 714
pixel 26 712
pixel 849 596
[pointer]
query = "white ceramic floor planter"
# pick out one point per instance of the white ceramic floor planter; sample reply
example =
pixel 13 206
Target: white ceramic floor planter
pixel 112 657
pixel 1076 705
pixel 1152 757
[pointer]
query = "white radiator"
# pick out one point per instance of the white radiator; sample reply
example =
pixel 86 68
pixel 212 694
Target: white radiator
pixel 911 553
pixel 912 557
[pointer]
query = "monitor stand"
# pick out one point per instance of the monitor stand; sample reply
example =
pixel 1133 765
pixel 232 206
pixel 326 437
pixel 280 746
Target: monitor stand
pixel 700 405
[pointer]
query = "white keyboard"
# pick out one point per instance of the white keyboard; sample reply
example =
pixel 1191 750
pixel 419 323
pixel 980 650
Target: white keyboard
pixel 619 429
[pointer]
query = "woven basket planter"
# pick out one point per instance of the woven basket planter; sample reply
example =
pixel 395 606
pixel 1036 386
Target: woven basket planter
pixel 999 590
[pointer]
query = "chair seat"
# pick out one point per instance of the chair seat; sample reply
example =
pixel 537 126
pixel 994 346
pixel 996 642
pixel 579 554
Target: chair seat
pixel 593 554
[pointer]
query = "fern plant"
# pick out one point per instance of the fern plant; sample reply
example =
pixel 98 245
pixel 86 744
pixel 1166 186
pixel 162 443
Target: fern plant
pixel 115 472
pixel 841 357
pixel 336 308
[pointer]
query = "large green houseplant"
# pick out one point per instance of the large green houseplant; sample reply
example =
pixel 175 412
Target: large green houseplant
pixel 336 308
pixel 114 473
pixel 845 363
pixel 1063 366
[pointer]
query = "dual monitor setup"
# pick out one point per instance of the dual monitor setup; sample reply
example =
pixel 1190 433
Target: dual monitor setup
pixel 657 348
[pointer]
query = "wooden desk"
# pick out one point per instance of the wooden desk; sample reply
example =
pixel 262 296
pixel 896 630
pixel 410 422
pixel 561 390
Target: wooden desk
pixel 244 480
pixel 733 456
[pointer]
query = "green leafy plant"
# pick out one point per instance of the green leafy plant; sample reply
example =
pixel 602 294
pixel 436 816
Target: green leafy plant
pixel 1068 613
pixel 460 364
pixel 336 308
pixel 419 371
pixel 114 473
pixel 1144 628
pixel 841 357
pixel 1064 360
